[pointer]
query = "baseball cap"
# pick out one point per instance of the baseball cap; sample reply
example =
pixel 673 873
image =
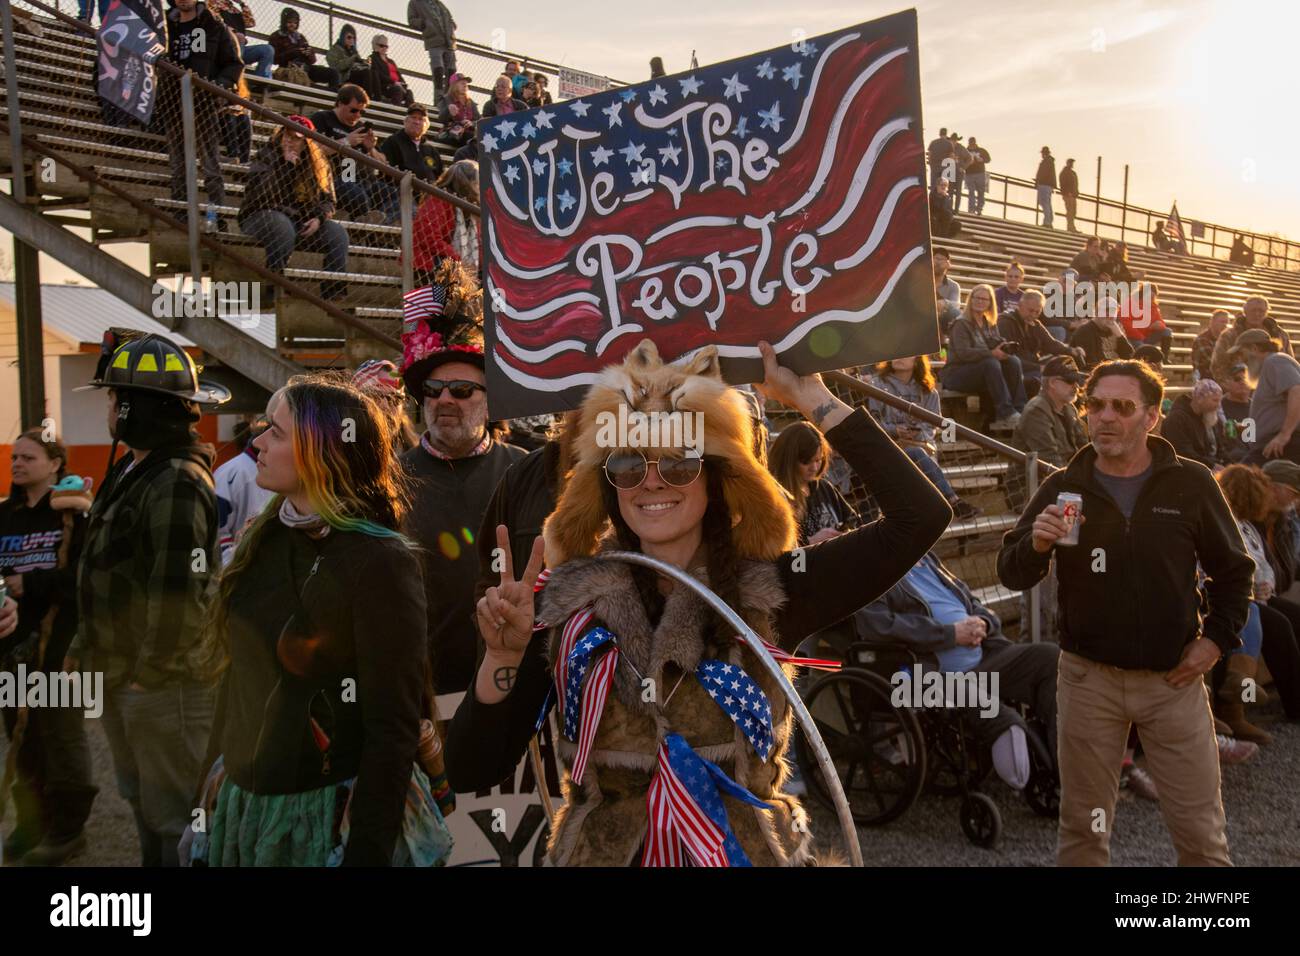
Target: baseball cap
pixel 1064 367
pixel 417 108
pixel 457 77
pixel 1283 472
pixel 1252 337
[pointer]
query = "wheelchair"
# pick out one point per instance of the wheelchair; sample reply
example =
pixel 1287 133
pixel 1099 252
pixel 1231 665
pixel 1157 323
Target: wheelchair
pixel 886 756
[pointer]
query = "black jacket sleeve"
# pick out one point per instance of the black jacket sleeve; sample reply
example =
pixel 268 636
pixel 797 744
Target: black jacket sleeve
pixel 227 64
pixel 390 667
pixel 828 582
pixel 1020 567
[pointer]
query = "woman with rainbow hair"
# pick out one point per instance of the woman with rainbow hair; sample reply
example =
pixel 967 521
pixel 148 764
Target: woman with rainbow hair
pixel 319 632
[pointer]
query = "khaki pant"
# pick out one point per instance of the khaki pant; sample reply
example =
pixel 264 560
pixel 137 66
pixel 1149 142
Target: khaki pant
pixel 1071 210
pixel 1096 704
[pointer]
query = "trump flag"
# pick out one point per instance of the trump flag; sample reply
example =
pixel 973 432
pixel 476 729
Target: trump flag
pixel 779 197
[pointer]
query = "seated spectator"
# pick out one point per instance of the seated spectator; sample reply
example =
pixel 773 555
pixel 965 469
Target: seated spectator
pixel 1009 295
pixel 468 151
pixel 911 380
pixel 258 57
pixel 1249 495
pixel 502 101
pixel 978 364
pixel 1142 321
pixel 288 205
pixel 457 112
pixel 933 612
pixel 345 59
pixel 1088 262
pixel 443 231
pixel 1061 311
pixel 1101 337
pixel 530 94
pixel 293 52
pixel 409 151
pixel 362 195
pixel 1275 404
pixel 541 81
pixel 1241 254
pixel 798 460
pixel 1282 541
pixel 1116 264
pixel 1254 315
pixel 1236 411
pixel 1160 239
pixel 947 291
pixel 1194 427
pixel 515 73
pixel 1203 344
pixel 385 79
pixel 943 224
pixel 1022 325
pixel 1050 424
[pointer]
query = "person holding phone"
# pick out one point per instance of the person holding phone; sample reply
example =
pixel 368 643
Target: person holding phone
pixel 981 361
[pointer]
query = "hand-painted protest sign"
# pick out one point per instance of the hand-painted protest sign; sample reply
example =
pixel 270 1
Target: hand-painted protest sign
pixel 778 196
pixel 132 36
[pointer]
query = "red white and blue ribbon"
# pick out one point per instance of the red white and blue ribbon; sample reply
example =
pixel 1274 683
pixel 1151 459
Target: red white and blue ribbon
pixel 584 674
pixel 785 657
pixel 687 821
pixel 742 700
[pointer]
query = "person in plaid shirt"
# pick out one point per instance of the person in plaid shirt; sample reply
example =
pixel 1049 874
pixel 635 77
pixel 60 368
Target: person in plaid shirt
pixel 144 581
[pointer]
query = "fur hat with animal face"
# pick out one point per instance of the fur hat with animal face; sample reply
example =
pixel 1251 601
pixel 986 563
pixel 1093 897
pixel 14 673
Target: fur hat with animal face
pixel 764 524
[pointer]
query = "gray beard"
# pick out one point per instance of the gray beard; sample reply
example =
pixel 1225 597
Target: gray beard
pixel 456 440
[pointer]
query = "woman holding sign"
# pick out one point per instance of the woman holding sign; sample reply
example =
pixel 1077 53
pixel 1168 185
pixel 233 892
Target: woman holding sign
pixel 661 707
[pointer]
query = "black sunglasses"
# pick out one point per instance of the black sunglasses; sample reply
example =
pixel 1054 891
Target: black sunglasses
pixel 628 469
pixel 459 388
pixel 1124 407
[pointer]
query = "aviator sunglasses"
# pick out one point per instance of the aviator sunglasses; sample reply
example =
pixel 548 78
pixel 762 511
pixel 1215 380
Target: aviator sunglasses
pixel 628 469
pixel 459 388
pixel 1124 407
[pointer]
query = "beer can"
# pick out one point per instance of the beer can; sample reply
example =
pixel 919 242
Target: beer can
pixel 1071 506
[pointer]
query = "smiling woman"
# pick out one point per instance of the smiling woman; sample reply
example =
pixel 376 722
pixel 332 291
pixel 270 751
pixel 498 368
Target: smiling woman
pixel 637 661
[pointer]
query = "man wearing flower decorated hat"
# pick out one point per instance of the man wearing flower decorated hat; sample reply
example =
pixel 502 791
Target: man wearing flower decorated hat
pixel 144 580
pixel 457 464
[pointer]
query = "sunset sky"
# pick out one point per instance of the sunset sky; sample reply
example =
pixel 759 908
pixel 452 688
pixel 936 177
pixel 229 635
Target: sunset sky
pixel 1187 93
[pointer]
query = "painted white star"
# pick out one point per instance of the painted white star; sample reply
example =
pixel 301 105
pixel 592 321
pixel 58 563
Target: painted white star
pixel 742 128
pixel 793 74
pixel 690 86
pixel 543 119
pixel 489 142
pixel 670 154
pixel 641 177
pixel 529 131
pixel 565 167
pixel 733 86
pixel 581 108
pixel 765 70
pixel 673 132
pixel 612 111
pixel 539 167
pixel 658 95
pixel 539 202
pixel 772 119
pixel 808 48
pixel 507 129
pixel 600 156
pixel 728 701
pixel 735 685
pixel 566 201
pixel 512 174
pixel 632 152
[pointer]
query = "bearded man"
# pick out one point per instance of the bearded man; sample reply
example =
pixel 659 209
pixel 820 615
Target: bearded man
pixel 455 467
pixel 1275 406
pixel 1193 426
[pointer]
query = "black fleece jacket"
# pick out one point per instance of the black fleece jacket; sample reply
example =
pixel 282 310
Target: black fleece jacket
pixel 486 741
pixel 216 57
pixel 331 630
pixel 1143 608
pixel 1185 430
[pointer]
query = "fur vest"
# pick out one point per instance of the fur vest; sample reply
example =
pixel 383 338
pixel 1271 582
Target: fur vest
pixel 603 821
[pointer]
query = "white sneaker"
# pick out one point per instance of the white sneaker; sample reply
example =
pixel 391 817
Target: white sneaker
pixel 1235 751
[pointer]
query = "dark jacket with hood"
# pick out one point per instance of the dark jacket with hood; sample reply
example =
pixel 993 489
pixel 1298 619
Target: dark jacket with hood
pixel 148 566
pixel 1095 343
pixel 1143 608
pixel 31 539
pixel 291 47
pixel 219 59
pixel 1035 341
pixel 903 616
pixel 340 58
pixel 1185 430
pixel 290 188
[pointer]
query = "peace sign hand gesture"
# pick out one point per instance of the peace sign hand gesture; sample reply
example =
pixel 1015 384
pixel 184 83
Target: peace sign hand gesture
pixel 505 620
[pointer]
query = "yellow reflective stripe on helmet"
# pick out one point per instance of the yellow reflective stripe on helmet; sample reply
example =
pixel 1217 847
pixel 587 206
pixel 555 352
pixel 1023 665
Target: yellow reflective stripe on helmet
pixel 147 363
pixel 123 359
pixel 172 363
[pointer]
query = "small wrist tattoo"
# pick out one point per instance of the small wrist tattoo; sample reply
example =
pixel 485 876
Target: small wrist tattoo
pixel 504 677
pixel 821 411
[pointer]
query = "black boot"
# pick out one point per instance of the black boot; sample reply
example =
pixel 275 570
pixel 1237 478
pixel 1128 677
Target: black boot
pixel 67 812
pixel 30 829
pixel 439 83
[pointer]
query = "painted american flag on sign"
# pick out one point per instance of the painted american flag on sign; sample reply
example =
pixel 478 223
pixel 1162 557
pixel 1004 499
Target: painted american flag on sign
pixel 779 196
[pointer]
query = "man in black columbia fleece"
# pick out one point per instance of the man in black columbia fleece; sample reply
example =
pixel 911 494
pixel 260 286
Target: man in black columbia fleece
pixel 1134 643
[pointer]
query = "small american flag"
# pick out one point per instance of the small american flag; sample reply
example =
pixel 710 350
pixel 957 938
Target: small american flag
pixel 422 303
pixel 584 680
pixel 687 820
pixel 785 657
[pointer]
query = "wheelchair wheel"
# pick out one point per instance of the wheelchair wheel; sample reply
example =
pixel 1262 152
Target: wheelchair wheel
pixel 980 820
pixel 955 766
pixel 878 751
pixel 1043 791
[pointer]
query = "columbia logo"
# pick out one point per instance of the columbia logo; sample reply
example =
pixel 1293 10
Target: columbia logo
pixel 1166 511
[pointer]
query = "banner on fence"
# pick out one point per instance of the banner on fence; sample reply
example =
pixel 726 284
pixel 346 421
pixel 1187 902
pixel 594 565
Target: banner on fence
pixel 780 196
pixel 575 83
pixel 132 36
